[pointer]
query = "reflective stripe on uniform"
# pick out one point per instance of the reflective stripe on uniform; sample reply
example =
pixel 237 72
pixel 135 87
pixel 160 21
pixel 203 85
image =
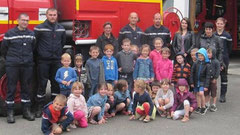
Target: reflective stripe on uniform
pixel 149 34
pixel 228 39
pixel 41 96
pixel 25 101
pixel 9 102
pixel 19 37
pixel 42 29
pixel 54 94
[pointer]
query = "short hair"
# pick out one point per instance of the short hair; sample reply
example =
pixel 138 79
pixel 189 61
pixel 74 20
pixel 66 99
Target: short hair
pixel 145 46
pixel 126 40
pixel 94 47
pixel 157 14
pixel 156 83
pixel 208 25
pixel 222 19
pixel 66 56
pixel 166 49
pixel 135 46
pixel 22 14
pixel 157 38
pixel 51 9
pixel 61 98
pixel 165 81
pixel 140 84
pixel 108 46
pixel 107 23
pixel 77 85
pixel 194 50
pixel 100 85
pixel 209 50
pixel 120 84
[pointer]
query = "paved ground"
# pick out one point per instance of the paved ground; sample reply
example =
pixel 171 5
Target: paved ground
pixel 223 122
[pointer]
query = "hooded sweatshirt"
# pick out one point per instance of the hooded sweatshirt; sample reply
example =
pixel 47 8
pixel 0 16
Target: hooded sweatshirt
pixel 75 103
pixel 200 73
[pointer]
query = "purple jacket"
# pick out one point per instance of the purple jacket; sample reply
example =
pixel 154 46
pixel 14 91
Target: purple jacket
pixel 179 99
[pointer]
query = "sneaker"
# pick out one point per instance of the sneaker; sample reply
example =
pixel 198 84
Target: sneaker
pixel 142 118
pixel 203 111
pixel 213 108
pixel 198 110
pixel 207 107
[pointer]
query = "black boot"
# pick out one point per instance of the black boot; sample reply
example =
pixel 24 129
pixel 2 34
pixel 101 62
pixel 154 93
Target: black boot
pixel 222 99
pixel 10 116
pixel 38 112
pixel 27 114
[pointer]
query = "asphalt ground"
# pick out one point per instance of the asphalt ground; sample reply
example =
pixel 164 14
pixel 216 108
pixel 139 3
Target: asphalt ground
pixel 223 122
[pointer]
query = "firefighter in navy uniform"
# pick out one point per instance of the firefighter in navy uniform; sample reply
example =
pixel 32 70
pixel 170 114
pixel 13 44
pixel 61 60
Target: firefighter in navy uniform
pixel 227 47
pixel 17 48
pixel 50 38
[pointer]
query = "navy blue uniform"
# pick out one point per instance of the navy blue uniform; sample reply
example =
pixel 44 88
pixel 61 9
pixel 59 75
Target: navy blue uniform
pixel 17 48
pixel 50 41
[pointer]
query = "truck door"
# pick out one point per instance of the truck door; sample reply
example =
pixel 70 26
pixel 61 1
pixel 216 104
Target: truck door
pixel 4 17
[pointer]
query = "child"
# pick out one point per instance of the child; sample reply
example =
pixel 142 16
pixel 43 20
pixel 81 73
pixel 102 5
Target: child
pixel 125 59
pixel 215 72
pixel 135 49
pixel 97 105
pixel 164 99
pixel 200 78
pixel 122 97
pixel 143 68
pixel 95 70
pixel 155 55
pixel 193 56
pixel 181 68
pixel 110 101
pixel 77 105
pixel 56 117
pixel 66 75
pixel 155 86
pixel 110 65
pixel 184 102
pixel 143 107
pixel 165 66
pixel 80 70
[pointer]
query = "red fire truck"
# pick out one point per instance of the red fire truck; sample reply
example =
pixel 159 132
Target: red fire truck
pixel 210 10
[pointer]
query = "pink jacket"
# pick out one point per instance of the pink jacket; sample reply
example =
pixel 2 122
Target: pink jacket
pixel 77 103
pixel 164 69
pixel 155 56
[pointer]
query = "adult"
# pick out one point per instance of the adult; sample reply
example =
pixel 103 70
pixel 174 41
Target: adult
pixel 131 31
pixel 17 48
pixel 107 38
pixel 209 40
pixel 184 39
pixel 227 46
pixel 157 30
pixel 50 38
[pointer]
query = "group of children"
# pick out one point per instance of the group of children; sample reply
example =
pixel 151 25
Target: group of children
pixel 136 82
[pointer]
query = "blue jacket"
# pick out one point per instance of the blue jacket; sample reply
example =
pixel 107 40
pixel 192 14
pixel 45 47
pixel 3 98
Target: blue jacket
pixel 200 72
pixel 17 47
pixel 120 96
pixel 66 74
pixel 143 69
pixel 98 100
pixel 110 68
pixel 50 40
pixel 47 119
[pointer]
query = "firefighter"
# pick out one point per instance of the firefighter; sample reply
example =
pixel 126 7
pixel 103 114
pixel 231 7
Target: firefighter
pixel 227 47
pixel 50 38
pixel 157 30
pixel 17 48
pixel 131 31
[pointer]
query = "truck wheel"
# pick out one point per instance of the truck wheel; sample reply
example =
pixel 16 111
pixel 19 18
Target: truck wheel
pixel 3 94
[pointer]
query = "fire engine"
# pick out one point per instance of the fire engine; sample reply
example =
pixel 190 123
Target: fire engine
pixel 82 19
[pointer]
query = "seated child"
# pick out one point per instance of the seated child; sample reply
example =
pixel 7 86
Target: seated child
pixel 97 105
pixel 77 105
pixel 164 99
pixel 122 98
pixel 110 101
pixel 66 75
pixel 56 117
pixel 143 107
pixel 184 101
